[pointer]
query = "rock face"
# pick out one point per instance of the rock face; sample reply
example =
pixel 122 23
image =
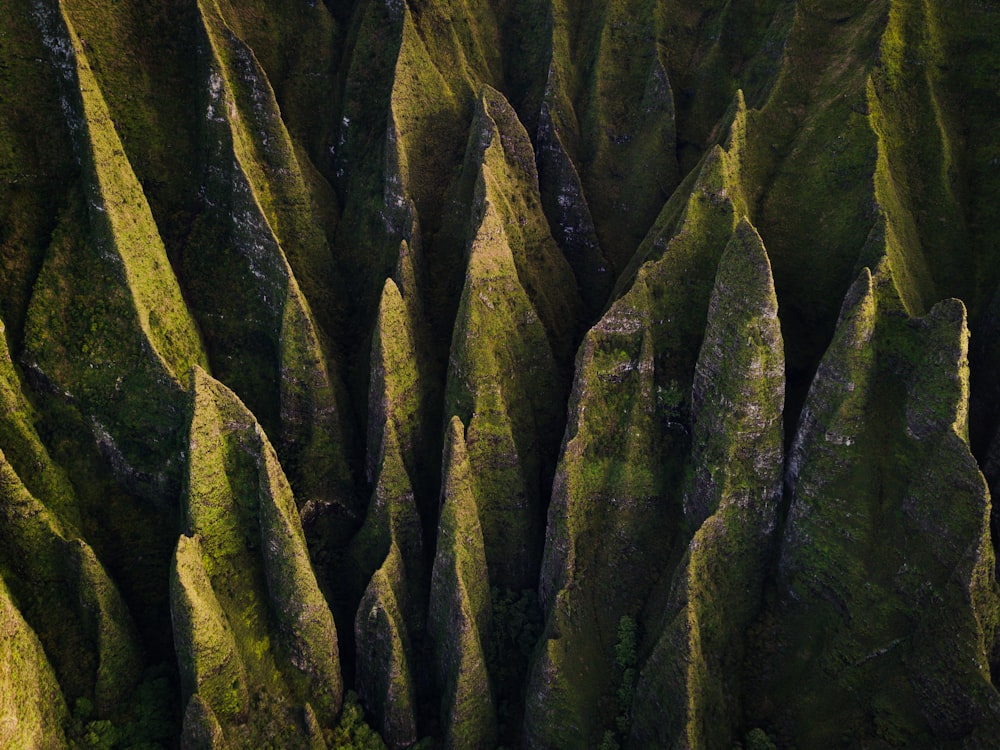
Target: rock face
pixel 529 373
pixel 621 473
pixel 689 681
pixel 32 705
pixel 841 572
pixel 460 612
pixel 508 332
pixel 385 677
pixel 249 619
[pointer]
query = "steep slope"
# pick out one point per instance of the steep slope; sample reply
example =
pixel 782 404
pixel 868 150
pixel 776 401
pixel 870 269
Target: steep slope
pixel 606 135
pixel 512 332
pixel 107 291
pixel 616 499
pixel 32 706
pixel 261 332
pixel 460 609
pixel 885 413
pixel 507 372
pixel 249 619
pixel 691 679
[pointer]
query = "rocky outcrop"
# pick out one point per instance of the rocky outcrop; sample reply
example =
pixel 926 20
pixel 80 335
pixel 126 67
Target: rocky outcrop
pixel 623 459
pixel 264 240
pixel 32 709
pixel 385 680
pixel 509 334
pixel 864 474
pixel 690 680
pixel 107 325
pixel 249 619
pixel 460 610
pixel 597 365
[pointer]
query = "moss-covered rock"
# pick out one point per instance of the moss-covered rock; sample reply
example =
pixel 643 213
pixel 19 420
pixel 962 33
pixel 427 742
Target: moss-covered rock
pixel 887 410
pixel 387 559
pixel 201 730
pixel 251 568
pixel 308 633
pixel 32 708
pixel 24 449
pixel 37 167
pixel 607 134
pixel 617 496
pixel 107 326
pixel 72 605
pixel 211 669
pixel 391 520
pixel 401 392
pixel 265 238
pixel 514 327
pixel 690 680
pixel 460 608
pixel 368 218
pixel 384 652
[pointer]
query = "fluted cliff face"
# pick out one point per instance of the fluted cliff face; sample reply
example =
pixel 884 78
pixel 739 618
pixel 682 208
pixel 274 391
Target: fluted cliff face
pixel 488 373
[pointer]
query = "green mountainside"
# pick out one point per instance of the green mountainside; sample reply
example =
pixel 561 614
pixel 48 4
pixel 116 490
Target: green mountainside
pixel 499 373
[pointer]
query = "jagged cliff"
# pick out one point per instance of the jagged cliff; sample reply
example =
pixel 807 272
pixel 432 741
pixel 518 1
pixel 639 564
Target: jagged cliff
pixel 485 373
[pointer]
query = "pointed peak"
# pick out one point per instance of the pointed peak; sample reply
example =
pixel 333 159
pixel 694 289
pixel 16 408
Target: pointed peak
pixel 495 115
pixel 489 96
pixel 456 432
pixel 740 101
pixel 456 481
pixel 746 253
pixel 950 310
pixel 737 118
pixel 745 229
pixel 391 296
pixel 860 296
pixel 745 270
pixel 188 546
pixel 938 397
pixel 199 377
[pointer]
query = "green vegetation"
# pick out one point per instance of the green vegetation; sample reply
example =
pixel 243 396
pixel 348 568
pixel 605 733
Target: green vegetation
pixel 499 373
pixel 731 499
pixel 384 649
pixel 624 461
pixel 33 706
pixel 351 731
pixel 250 623
pixel 461 612
pixel 512 333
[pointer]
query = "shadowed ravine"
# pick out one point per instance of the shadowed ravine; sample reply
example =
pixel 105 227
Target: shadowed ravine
pixel 499 373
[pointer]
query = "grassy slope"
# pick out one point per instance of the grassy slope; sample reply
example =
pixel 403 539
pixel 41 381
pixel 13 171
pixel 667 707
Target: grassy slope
pixel 513 328
pixel 36 163
pixel 32 706
pixel 460 610
pixel 272 228
pixel 386 681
